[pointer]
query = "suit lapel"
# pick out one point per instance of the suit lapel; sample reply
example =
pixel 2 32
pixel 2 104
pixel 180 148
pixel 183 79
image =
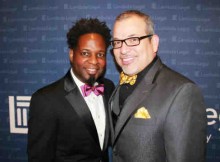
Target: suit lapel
pixel 107 95
pixel 131 104
pixel 75 98
pixel 113 102
pixel 139 94
pixel 105 99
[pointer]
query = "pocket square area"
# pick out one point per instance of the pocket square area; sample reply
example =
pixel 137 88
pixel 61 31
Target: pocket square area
pixel 142 113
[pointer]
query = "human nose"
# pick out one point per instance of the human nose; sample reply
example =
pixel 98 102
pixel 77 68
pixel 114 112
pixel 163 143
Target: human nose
pixel 124 48
pixel 93 59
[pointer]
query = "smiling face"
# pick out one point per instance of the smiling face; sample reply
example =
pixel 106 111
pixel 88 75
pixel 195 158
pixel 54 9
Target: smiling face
pixel 88 59
pixel 134 59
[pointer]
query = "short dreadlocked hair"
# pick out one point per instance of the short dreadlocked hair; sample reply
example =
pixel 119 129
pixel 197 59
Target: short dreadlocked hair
pixel 85 26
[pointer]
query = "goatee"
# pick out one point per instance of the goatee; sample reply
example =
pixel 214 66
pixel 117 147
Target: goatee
pixel 91 80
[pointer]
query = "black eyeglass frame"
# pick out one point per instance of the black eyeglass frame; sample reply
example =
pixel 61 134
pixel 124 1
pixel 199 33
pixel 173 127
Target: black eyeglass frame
pixel 124 40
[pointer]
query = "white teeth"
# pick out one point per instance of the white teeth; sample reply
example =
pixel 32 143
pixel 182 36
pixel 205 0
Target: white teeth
pixel 91 70
pixel 127 59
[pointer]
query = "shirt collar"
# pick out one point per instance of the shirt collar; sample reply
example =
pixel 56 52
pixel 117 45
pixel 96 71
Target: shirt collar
pixel 77 81
pixel 141 74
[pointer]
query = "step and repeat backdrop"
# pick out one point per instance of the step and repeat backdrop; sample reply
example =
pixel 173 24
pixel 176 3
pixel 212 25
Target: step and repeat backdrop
pixel 34 53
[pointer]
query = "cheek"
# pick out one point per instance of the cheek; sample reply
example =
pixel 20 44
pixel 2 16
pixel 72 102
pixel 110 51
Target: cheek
pixel 118 60
pixel 78 64
pixel 102 63
pixel 117 56
pixel 79 60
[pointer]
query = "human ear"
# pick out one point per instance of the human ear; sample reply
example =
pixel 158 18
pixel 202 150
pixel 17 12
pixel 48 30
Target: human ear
pixel 155 42
pixel 71 53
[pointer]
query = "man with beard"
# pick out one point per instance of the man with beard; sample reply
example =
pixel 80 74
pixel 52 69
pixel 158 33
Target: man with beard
pixel 68 119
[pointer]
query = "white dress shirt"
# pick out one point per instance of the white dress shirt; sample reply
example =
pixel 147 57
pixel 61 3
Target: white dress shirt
pixel 96 107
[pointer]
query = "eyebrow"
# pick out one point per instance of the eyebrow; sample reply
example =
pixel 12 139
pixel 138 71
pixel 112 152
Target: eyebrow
pixel 129 36
pixel 85 49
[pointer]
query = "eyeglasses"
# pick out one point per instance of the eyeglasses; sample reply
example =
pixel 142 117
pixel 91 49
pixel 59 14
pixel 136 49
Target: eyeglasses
pixel 132 41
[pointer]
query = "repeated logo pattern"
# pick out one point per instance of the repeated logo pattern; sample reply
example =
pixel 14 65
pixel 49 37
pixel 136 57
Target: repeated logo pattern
pixel 34 53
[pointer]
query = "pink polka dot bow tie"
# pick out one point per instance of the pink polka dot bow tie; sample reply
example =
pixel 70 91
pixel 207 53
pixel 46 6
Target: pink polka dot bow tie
pixel 97 90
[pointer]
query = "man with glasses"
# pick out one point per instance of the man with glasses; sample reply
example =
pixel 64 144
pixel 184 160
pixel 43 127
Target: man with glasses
pixel 158 115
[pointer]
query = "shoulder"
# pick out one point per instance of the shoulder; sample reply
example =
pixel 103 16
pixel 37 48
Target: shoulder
pixel 161 73
pixel 172 81
pixel 168 74
pixel 50 89
pixel 109 85
pixel 108 81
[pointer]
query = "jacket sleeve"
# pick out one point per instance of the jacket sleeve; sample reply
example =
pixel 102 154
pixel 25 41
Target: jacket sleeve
pixel 185 126
pixel 41 130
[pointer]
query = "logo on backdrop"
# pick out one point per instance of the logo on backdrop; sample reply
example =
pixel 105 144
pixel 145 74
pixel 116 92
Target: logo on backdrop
pixel 18 113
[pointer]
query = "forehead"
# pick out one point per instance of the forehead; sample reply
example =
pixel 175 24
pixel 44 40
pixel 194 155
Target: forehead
pixel 91 39
pixel 91 36
pixel 130 26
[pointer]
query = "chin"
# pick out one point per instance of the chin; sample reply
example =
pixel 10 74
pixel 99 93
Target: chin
pixel 129 71
pixel 91 79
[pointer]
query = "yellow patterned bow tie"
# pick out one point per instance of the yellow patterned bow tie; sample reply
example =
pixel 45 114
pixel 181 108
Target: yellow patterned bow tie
pixel 127 79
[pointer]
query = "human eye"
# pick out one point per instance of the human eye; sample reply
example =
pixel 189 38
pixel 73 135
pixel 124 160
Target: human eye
pixel 101 55
pixel 116 43
pixel 132 39
pixel 85 53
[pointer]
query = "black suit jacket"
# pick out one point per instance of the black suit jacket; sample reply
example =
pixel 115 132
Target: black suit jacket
pixel 174 126
pixel 61 127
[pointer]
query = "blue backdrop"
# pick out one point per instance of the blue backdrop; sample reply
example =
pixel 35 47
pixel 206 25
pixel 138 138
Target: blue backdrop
pixel 34 53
